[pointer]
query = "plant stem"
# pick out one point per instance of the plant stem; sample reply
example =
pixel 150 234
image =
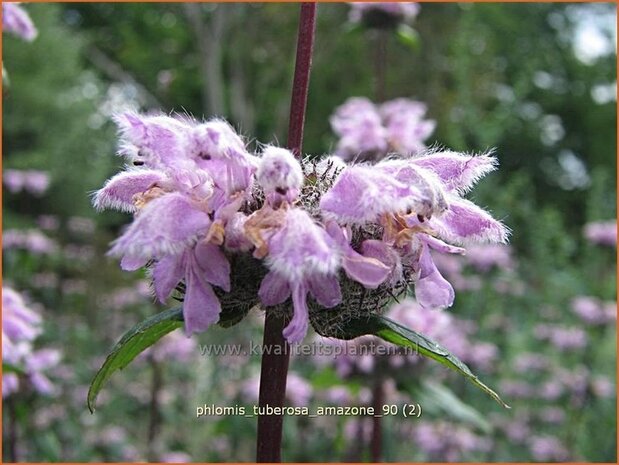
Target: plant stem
pixel 276 353
pixel 273 374
pixel 300 84
pixel 12 429
pixel 378 394
pixel 155 414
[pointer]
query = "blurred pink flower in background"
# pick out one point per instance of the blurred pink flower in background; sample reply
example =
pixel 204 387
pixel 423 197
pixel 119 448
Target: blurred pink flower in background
pixel 21 325
pixel 369 131
pixel 484 257
pixel 602 232
pixel 547 449
pixel 32 240
pixel 123 297
pixel 175 457
pixel 528 362
pixel 563 337
pixel 553 415
pixel 31 181
pixel 516 389
pixel 175 346
pixel 603 386
pixel 81 225
pixel 48 222
pixel 593 311
pixel 447 441
pixel 16 21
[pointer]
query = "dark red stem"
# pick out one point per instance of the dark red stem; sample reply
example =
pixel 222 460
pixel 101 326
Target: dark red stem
pixel 376 443
pixel 275 359
pixel 276 353
pixel 300 84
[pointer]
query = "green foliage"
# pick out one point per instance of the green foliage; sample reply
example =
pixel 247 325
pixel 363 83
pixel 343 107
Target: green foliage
pixel 131 344
pixel 397 334
pixel 48 115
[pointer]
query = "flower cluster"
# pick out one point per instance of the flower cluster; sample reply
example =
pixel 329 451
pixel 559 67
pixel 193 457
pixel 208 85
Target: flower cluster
pixel 20 327
pixel 16 21
pixel 382 14
pixel 32 181
pixel 371 132
pixel 32 240
pixel 219 219
pixel 593 311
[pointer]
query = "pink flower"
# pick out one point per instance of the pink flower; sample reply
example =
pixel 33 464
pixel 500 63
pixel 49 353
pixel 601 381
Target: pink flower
pixel 16 21
pixel 602 232
pixel 20 327
pixel 371 132
pixel 202 203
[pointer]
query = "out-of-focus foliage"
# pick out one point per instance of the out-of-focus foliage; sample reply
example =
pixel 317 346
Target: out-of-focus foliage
pixel 534 81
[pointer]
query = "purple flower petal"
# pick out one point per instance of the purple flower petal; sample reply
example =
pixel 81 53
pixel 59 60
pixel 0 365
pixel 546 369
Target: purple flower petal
pixel 457 171
pixel 216 140
pixel 386 255
pixel 201 307
pixel 280 175
pixel 362 194
pixel 167 273
pixel 465 222
pixel 10 381
pixel 16 20
pixel 166 226
pixel 301 248
pixel 441 246
pixel 131 263
pixel 118 192
pixel 432 290
pixel 431 199
pixel 235 237
pixel 297 328
pixel 214 265
pixel 365 270
pixel 157 141
pixel 273 290
pixel 325 289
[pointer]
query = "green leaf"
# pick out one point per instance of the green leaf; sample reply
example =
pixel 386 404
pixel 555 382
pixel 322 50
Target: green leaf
pixel 399 335
pixel 442 401
pixel 142 336
pixel 8 368
pixel 134 341
pixel 408 36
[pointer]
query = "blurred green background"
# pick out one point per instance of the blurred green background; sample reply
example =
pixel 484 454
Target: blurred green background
pixel 535 81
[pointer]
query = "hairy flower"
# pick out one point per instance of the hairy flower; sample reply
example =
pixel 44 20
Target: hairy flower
pixel 321 242
pixel 371 132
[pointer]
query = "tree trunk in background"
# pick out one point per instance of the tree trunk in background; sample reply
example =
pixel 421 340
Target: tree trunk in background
pixel 209 39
